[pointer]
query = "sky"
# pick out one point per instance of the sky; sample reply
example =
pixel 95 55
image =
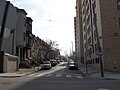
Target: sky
pixel 52 20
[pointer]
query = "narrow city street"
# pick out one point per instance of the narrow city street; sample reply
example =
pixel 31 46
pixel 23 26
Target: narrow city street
pixel 59 44
pixel 58 78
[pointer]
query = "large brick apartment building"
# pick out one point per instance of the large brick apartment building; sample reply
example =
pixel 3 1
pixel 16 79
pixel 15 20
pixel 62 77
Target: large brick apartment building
pixel 97 28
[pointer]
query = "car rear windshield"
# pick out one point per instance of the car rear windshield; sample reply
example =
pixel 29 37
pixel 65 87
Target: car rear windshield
pixel 46 62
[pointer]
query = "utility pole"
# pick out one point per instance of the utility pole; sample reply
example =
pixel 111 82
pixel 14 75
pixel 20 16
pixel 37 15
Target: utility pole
pixel 72 47
pixel 72 51
pixel 101 63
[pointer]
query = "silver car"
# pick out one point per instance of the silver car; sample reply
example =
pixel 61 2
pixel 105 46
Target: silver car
pixel 46 65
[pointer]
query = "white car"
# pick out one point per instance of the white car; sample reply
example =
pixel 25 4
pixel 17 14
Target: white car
pixel 46 65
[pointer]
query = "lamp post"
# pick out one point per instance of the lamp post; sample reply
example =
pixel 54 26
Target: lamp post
pixel 72 50
pixel 72 46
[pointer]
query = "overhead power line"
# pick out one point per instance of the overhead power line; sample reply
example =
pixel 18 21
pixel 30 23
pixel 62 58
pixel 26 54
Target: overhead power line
pixel 50 20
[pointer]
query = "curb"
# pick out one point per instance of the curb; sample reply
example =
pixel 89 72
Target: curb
pixel 84 75
pixel 103 78
pixel 19 75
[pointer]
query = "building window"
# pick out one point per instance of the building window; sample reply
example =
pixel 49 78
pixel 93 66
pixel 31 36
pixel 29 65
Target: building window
pixel 96 47
pixel 89 41
pixel 87 11
pixel 88 19
pixel 84 28
pixel 118 4
pixel 83 2
pixel 95 35
pixel 24 36
pixel 93 61
pixel 85 45
pixel 119 22
pixel 88 30
pixel 17 51
pixel 85 36
pixel 97 61
pixel 89 52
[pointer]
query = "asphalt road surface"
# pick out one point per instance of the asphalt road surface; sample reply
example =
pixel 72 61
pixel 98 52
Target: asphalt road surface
pixel 58 78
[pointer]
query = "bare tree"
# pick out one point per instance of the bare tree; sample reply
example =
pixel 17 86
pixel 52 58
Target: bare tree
pixel 52 45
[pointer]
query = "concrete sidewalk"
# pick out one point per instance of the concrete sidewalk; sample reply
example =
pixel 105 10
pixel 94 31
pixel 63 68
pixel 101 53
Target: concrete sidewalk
pixel 92 73
pixel 20 73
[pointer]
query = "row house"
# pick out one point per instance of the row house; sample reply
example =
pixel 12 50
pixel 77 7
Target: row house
pixel 16 30
pixel 35 47
pixel 40 50
pixel 21 33
pixel 98 24
pixel 54 54
pixel 43 47
pixel 29 35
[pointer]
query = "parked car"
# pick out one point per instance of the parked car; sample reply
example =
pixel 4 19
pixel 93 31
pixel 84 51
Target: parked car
pixel 46 65
pixel 58 61
pixel 53 62
pixel 72 62
pixel 73 66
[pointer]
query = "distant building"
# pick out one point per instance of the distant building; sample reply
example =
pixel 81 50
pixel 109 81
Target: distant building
pixel 99 22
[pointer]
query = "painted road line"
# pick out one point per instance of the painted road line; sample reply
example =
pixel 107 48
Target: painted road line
pixel 79 77
pixel 39 75
pixel 103 89
pixel 31 75
pixel 68 76
pixel 58 75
